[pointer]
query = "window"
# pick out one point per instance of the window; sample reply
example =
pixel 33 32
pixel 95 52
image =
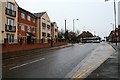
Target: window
pixel 22 27
pixel 28 29
pixel 22 15
pixel 10 38
pixel 28 18
pixel 34 30
pixel 43 34
pixel 48 21
pixel 33 20
pixel 10 22
pixel 44 28
pixel 10 6
pixel 43 20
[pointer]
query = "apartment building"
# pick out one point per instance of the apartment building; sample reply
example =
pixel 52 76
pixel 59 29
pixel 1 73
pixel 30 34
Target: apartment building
pixel 8 21
pixel 26 27
pixel 43 27
pixel 54 31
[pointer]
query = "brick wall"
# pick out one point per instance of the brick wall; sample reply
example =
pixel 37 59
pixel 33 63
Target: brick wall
pixel 60 44
pixel 7 48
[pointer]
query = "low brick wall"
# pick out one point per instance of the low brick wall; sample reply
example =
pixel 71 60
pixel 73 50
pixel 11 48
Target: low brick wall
pixel 17 47
pixel 13 48
pixel 60 44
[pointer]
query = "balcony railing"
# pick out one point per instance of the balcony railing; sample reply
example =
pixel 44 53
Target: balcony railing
pixel 43 34
pixel 48 35
pixel 10 12
pixel 10 28
pixel 43 24
pixel 48 26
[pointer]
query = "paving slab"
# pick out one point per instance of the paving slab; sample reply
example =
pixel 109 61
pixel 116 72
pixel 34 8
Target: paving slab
pixel 92 61
pixel 110 69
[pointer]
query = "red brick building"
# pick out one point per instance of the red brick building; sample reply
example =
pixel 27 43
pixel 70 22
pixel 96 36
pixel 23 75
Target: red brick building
pixel 112 36
pixel 26 27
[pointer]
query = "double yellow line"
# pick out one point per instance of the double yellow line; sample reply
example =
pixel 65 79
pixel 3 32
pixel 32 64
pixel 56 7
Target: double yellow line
pixel 79 74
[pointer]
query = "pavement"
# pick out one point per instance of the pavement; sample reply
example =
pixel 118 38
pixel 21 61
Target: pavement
pixel 110 69
pixel 97 57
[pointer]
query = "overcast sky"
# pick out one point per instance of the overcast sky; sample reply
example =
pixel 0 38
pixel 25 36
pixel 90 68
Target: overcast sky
pixel 93 15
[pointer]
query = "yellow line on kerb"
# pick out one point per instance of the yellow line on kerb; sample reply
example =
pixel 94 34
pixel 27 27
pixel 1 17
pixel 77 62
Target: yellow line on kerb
pixel 83 72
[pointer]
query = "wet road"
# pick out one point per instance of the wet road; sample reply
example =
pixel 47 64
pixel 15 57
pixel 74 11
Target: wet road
pixel 55 64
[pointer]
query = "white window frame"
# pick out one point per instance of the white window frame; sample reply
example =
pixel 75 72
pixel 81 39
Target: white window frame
pixel 23 27
pixel 22 15
pixel 10 6
pixel 28 29
pixel 10 38
pixel 10 22
pixel 28 17
pixel 43 20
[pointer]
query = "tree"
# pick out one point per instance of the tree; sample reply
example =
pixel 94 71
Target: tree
pixel 66 35
pixel 61 34
pixel 77 32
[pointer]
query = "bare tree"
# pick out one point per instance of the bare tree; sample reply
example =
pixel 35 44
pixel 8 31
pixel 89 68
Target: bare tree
pixel 77 32
pixel 62 31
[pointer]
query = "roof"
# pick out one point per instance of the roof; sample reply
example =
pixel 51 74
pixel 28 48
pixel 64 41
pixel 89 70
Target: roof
pixel 52 24
pixel 39 14
pixel 23 10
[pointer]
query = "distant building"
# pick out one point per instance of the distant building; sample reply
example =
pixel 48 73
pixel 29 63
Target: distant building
pixel 115 34
pixel 26 27
pixel 54 31
pixel 85 34
pixel 87 37
pixel 44 27
pixel 8 21
pixel 119 21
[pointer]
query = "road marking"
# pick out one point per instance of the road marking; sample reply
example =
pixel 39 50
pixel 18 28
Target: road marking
pixel 26 64
pixel 82 73
pixel 86 71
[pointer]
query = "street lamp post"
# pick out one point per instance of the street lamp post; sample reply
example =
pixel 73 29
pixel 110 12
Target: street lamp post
pixel 74 24
pixel 115 20
pixel 73 28
pixel 65 30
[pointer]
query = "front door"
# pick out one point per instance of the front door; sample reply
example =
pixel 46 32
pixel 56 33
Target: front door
pixel 28 39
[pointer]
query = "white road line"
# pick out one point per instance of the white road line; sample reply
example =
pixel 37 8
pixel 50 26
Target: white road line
pixel 26 64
